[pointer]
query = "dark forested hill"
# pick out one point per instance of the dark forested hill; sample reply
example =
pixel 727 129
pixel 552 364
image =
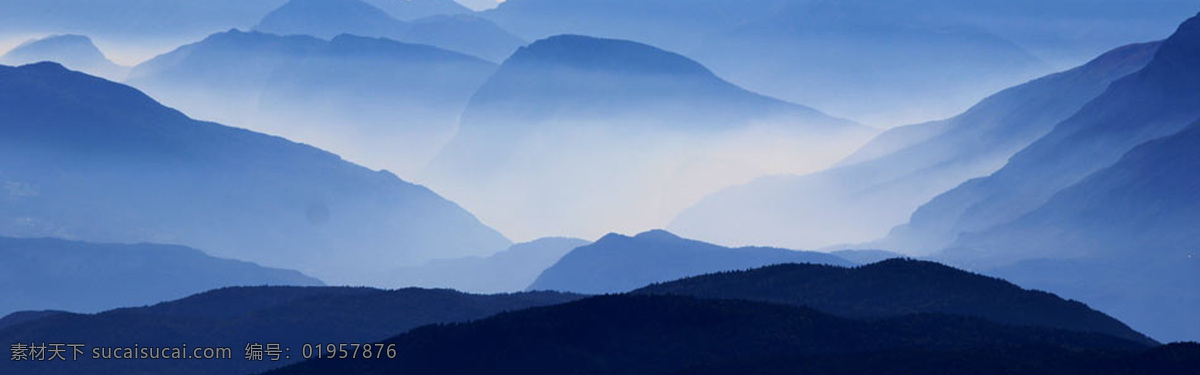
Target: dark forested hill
pixel 664 334
pixel 899 287
pixel 235 317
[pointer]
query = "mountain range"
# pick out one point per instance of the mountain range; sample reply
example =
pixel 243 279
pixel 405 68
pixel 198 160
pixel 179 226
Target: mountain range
pixel 899 287
pixel 1118 240
pixel 885 181
pixel 1066 33
pixel 87 159
pixel 236 317
pixel 407 10
pixel 1102 197
pixel 883 63
pixel 455 30
pixel 76 52
pixel 406 144
pixel 382 103
pixel 375 101
pixel 130 30
pixel 671 334
pixel 507 271
pixel 52 274
pixel 618 264
pixel 636 134
pixel 859 61
pixel 1154 102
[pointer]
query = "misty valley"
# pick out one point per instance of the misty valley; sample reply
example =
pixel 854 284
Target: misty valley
pixel 658 187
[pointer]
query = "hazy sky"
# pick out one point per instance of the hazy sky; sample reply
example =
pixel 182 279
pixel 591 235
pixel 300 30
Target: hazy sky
pixel 480 4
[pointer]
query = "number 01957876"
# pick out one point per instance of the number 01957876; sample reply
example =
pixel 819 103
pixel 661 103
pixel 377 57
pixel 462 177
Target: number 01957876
pixel 349 351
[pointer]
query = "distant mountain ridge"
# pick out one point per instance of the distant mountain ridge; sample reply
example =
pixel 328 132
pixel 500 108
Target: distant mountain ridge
pixel 507 271
pixel 155 175
pixel 1066 33
pixel 1098 209
pixel 866 62
pixel 1125 230
pixel 901 57
pixel 682 132
pixel 132 29
pixel 73 51
pixel 407 10
pixel 52 274
pixel 453 29
pixel 385 104
pixel 1156 101
pixel 885 181
pixel 618 264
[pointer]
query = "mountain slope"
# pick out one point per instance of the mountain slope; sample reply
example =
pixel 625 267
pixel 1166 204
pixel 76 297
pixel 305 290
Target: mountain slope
pixel 1140 207
pixel 407 10
pixel 672 25
pixel 44 274
pixel 1156 101
pixel 236 317
pixel 881 185
pixel 131 30
pixel 326 19
pixel 617 264
pixel 875 66
pixel 1122 239
pixel 1086 211
pixel 899 287
pixel 463 32
pixel 76 52
pixel 681 133
pixel 508 271
pixel 379 102
pixel 665 334
pixel 1065 32
pixel 901 51
pixel 154 175
pixel 382 103
pixel 221 77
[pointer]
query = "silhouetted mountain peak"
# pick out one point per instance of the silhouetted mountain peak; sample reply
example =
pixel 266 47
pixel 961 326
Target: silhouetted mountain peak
pixel 349 44
pixel 658 235
pixel 414 9
pixel 618 263
pixel 897 287
pixel 606 55
pixel 236 34
pixel 911 264
pixel 44 67
pixel 235 40
pixel 1179 56
pixel 78 44
pixel 92 92
pixel 328 18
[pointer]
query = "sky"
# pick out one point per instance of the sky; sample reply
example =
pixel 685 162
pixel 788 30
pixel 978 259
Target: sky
pixel 480 4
